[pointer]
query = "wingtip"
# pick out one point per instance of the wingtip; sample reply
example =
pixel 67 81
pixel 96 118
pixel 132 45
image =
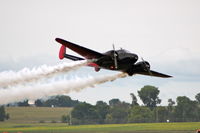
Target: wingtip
pixel 61 41
pixel 168 76
pixel 58 39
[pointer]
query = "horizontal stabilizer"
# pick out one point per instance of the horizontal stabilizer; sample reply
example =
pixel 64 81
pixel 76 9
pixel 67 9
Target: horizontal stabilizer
pixel 71 57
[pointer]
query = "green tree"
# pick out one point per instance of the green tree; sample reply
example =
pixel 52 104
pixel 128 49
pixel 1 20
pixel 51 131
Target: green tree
pixel 39 103
pixel 84 113
pixel 109 119
pixel 65 119
pixel 124 105
pixel 134 100
pixel 140 114
pixel 171 103
pixel 117 115
pixel 51 102
pixel 160 114
pixel 3 115
pixel 23 103
pixel 102 109
pixel 198 98
pixel 64 101
pixel 149 96
pixel 170 109
pixel 186 109
pixel 60 101
pixel 114 102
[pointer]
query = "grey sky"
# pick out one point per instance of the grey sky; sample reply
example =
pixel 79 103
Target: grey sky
pixel 166 33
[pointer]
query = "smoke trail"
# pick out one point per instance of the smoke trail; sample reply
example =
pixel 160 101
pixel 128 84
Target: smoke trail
pixel 11 78
pixel 56 88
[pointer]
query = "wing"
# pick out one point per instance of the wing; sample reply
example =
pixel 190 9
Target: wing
pixel 154 73
pixel 85 52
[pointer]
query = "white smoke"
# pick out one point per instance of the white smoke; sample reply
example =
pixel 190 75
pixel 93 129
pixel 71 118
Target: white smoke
pixel 56 88
pixel 11 78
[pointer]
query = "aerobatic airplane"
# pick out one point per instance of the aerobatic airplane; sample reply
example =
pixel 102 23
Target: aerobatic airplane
pixel 118 60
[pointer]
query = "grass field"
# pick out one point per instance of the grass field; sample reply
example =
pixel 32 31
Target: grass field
pixel 109 128
pixel 35 114
pixel 26 120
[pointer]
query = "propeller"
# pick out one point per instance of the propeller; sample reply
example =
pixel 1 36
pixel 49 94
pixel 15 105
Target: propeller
pixel 115 57
pixel 147 67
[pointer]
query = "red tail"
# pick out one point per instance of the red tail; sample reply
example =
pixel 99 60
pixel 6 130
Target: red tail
pixel 62 52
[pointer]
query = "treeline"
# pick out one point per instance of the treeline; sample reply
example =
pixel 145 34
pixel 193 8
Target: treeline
pixel 54 101
pixel 57 101
pixel 185 110
pixel 122 112
pixel 3 114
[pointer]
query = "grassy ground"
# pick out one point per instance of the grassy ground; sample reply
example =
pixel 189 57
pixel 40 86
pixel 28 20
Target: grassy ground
pixel 109 128
pixel 35 114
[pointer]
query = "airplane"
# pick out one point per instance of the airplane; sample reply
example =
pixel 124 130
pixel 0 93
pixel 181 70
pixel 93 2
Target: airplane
pixel 117 60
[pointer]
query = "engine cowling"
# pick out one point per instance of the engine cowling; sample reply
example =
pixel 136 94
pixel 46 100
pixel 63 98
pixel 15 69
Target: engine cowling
pixel 142 66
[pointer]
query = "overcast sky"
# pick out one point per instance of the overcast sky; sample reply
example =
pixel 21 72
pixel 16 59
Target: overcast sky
pixel 166 33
